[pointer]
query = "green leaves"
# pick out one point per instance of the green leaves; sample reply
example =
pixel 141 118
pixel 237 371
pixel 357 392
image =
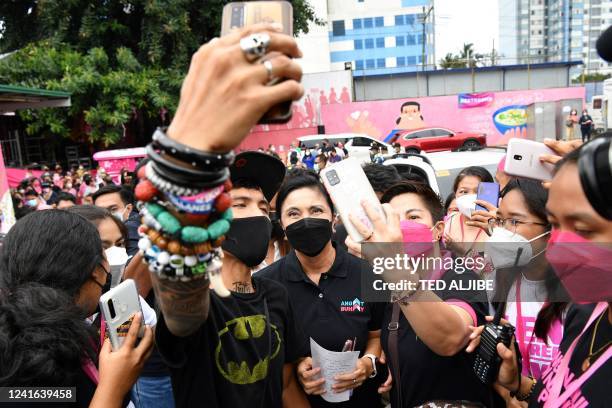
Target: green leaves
pixel 104 99
pixel 122 60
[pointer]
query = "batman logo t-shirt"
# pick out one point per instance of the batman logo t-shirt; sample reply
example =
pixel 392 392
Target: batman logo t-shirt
pixel 236 358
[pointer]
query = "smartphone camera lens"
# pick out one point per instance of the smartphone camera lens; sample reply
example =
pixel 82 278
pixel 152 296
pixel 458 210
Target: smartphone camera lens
pixel 518 157
pixel 333 178
pixel 111 309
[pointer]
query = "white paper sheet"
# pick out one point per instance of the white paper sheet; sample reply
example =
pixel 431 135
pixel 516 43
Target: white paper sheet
pixel 333 363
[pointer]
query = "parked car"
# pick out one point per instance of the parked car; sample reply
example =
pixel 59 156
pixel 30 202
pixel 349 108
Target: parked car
pixel 434 139
pixel 440 169
pixel 448 164
pixel 357 145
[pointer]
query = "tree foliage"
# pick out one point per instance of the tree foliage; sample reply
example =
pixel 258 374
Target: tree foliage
pixel 121 59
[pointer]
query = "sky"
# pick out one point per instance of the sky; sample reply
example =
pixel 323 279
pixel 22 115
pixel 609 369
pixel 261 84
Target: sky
pixel 466 21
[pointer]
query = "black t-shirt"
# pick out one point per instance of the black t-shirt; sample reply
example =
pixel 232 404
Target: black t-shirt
pixel 427 376
pixel 595 391
pixel 232 361
pixel 332 312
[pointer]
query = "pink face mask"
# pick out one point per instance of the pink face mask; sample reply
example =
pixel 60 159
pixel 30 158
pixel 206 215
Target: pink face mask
pixel 418 238
pixel 584 267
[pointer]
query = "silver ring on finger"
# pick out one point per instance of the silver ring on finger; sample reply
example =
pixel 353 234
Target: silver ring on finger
pixel 268 66
pixel 255 46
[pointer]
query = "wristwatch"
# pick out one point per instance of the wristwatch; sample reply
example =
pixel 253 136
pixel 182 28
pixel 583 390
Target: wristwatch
pixel 372 358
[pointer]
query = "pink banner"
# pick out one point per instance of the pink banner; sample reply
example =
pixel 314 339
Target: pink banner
pixel 504 118
pixel 6 202
pixel 475 100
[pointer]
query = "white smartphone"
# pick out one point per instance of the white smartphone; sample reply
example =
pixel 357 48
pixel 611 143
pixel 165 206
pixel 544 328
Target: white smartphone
pixel 348 186
pixel 523 159
pixel 118 306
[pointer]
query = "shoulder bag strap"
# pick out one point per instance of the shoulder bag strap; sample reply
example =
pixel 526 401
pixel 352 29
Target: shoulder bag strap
pixel 394 351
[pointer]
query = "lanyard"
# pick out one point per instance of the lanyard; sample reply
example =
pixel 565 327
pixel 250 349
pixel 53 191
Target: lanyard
pixel 521 328
pixel 555 398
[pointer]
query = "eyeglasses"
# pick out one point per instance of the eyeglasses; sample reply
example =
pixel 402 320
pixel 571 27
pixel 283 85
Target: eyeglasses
pixel 510 223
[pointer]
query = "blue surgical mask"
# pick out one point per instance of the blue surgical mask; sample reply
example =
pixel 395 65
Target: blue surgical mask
pixel 32 203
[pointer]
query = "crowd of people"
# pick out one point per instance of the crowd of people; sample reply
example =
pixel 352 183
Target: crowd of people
pixel 241 261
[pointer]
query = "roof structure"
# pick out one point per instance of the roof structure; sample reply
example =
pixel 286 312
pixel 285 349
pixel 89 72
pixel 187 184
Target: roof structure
pixel 13 98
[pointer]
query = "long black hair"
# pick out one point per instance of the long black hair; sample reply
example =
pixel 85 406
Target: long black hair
pixel 46 258
pixel 535 197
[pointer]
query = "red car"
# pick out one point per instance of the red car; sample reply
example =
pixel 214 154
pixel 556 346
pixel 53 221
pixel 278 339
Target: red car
pixel 433 139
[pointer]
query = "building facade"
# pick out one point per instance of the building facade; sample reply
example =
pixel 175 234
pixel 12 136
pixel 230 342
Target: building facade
pixel 539 31
pixel 375 37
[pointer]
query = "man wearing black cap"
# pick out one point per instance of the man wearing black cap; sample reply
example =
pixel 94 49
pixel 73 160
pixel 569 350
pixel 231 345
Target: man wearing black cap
pixel 244 353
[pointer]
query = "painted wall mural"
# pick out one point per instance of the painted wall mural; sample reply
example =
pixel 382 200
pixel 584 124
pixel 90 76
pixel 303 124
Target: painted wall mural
pixel 500 115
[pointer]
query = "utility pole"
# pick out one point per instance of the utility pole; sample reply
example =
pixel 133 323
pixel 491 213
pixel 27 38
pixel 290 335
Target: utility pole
pixel 426 15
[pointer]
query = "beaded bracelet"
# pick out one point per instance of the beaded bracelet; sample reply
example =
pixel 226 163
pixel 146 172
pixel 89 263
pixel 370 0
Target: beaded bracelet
pixel 167 186
pixel 189 234
pixel 189 155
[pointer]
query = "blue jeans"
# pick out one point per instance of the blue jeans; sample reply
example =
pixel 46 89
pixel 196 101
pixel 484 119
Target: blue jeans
pixel 153 392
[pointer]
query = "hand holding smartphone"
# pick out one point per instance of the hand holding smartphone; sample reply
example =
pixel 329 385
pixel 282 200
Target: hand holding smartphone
pixel 523 159
pixel 488 192
pixel 118 306
pixel 348 186
pixel 241 14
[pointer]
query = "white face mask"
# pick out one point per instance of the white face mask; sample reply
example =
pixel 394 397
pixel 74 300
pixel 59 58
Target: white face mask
pixel 117 257
pixel 466 204
pixel 119 215
pixel 503 248
pixel 316 167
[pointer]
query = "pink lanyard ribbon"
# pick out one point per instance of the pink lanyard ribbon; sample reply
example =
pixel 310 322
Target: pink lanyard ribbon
pixel 521 329
pixel 555 398
pixel 88 366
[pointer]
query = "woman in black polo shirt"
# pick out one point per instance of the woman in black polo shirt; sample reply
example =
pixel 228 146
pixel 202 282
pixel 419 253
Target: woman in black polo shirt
pixel 324 285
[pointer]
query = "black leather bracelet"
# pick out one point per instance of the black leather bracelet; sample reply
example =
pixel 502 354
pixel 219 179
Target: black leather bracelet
pixel 180 173
pixel 189 155
pixel 180 179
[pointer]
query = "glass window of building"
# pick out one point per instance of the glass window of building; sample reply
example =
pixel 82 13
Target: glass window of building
pixel 356 23
pixel 369 43
pixel 338 28
pixel 399 20
pixel 359 65
pixel 410 40
pixel 401 61
pixel 358 44
pixel 370 64
pixel 380 63
pixel 379 21
pixel 368 22
pixel 399 41
pixel 380 42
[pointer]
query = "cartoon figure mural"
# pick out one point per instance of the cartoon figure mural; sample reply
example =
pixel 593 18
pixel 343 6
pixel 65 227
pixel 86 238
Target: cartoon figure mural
pixel 410 116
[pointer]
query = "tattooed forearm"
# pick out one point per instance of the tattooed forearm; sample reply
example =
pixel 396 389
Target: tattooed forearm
pixel 183 304
pixel 242 287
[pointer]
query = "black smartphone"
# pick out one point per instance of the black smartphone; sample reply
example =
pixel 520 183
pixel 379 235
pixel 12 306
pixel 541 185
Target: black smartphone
pixel 240 14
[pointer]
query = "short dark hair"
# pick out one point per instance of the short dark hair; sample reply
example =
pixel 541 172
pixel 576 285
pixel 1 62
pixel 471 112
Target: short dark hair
pixel 534 194
pixel 476 171
pixel 381 177
pixel 95 215
pixel 64 196
pixel 127 196
pixel 30 192
pixel 322 157
pixel 410 103
pixel 430 198
pixel 297 179
pixel 245 182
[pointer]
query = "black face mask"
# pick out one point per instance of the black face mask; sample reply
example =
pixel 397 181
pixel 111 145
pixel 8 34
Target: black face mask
pixel 248 239
pixel 277 231
pixel 309 235
pixel 105 288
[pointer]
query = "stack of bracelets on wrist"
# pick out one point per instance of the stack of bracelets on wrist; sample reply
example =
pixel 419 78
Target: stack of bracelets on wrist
pixel 185 207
